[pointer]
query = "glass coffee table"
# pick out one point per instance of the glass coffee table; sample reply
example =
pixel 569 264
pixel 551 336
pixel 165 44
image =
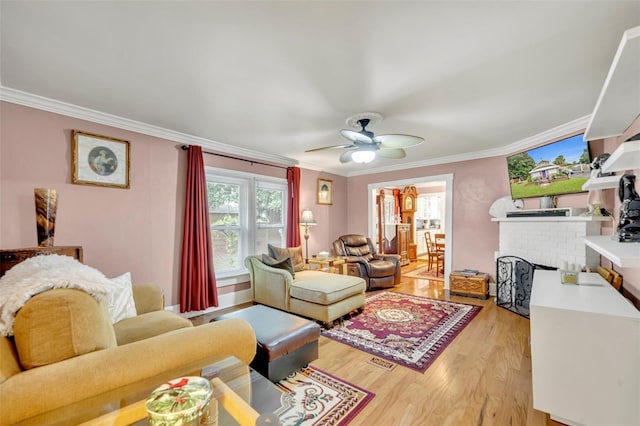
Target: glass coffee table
pixel 241 393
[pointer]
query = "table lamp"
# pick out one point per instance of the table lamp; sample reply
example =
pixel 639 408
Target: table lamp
pixel 306 219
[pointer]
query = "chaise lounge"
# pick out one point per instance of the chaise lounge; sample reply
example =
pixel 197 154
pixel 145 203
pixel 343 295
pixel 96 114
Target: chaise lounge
pixel 318 295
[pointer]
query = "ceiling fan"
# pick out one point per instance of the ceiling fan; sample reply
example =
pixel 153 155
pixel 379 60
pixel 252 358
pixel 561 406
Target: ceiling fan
pixel 364 145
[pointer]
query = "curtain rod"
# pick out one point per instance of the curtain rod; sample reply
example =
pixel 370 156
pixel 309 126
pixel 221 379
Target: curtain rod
pixel 186 147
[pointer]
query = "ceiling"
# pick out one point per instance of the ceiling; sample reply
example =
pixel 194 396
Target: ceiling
pixel 278 78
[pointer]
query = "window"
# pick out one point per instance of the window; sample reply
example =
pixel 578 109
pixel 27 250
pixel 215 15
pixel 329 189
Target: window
pixel 270 215
pixel 246 212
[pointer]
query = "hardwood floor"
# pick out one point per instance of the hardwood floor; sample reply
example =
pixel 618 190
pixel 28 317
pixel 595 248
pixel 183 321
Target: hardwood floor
pixel 482 378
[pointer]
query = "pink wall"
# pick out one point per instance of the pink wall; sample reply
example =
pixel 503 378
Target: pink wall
pixel 135 230
pixel 476 185
pixel 139 229
pixel 330 219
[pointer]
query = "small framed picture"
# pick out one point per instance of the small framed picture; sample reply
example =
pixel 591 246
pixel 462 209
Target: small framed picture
pixel 325 191
pixel 99 160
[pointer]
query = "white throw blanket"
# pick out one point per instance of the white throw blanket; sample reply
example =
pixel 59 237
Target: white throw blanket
pixel 41 273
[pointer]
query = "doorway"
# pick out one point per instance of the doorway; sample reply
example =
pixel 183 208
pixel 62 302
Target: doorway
pixel 445 180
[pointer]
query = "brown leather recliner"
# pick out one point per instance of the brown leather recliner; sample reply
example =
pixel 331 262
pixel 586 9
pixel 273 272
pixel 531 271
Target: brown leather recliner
pixel 378 270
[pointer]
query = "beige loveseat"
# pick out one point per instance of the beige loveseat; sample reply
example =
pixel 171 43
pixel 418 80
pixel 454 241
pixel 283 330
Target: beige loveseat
pixel 318 295
pixel 65 351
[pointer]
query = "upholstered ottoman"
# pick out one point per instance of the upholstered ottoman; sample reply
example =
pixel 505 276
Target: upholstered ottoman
pixel 286 342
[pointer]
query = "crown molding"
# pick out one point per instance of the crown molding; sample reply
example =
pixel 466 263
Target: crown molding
pixel 518 146
pixel 75 111
pixel 70 110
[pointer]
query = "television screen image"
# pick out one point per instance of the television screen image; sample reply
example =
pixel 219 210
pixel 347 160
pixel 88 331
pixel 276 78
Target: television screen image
pixel 561 167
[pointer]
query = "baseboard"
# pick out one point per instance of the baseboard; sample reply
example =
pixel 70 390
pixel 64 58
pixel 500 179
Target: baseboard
pixel 492 289
pixel 225 301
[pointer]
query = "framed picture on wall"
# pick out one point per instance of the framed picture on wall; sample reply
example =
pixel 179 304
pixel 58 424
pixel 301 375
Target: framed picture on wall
pixel 325 191
pixel 99 160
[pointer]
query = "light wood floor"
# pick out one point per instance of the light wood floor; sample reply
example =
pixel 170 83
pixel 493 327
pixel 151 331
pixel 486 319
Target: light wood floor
pixel 482 378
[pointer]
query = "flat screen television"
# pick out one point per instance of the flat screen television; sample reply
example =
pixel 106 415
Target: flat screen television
pixel 560 167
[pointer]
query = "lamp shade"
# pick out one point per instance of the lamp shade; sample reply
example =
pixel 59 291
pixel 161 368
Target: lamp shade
pixel 306 218
pixel 363 157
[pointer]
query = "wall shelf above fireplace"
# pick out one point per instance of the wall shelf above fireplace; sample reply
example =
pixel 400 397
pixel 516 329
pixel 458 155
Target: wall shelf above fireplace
pixel 625 255
pixel 552 219
pixel 605 182
pixel 625 157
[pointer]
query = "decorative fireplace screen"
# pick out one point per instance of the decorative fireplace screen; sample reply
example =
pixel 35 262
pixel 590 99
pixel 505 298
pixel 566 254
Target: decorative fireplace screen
pixel 514 277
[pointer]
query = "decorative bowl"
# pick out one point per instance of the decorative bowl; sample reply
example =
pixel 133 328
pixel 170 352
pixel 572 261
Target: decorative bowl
pixel 179 402
pixel 323 255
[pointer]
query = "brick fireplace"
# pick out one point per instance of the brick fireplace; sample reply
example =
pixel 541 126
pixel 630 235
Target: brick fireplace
pixel 529 243
pixel 550 241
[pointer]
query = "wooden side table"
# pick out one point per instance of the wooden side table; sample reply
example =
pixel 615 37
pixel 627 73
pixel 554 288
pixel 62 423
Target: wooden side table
pixel 10 258
pixel 330 264
pixel 469 285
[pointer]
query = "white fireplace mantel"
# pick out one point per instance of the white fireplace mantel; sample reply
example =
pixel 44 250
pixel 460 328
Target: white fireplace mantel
pixel 550 240
pixel 553 219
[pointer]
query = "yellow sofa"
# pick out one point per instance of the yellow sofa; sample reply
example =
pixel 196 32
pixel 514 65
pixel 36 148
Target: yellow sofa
pixel 65 350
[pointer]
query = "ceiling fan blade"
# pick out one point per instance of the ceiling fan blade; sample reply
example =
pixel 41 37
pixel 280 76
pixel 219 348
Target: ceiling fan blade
pixel 355 136
pixel 347 145
pixel 345 157
pixel 398 141
pixel 395 153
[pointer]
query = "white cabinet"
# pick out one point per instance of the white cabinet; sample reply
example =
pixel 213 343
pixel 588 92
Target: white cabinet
pixel 421 241
pixel 585 351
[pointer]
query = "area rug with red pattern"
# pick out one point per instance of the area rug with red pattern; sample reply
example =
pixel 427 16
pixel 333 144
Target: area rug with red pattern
pixel 314 397
pixel 409 330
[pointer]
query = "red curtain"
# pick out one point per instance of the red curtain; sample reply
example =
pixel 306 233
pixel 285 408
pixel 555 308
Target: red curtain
pixel 197 276
pixel 396 202
pixel 293 207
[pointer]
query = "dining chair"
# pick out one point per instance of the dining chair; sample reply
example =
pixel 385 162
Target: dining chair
pixel 439 242
pixel 434 255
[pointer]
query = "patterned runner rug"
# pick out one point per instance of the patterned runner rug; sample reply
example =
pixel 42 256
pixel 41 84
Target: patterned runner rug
pixel 425 273
pixel 405 329
pixel 314 397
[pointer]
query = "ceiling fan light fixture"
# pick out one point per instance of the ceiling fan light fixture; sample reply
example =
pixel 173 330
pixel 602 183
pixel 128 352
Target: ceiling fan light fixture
pixel 363 157
pixel 365 144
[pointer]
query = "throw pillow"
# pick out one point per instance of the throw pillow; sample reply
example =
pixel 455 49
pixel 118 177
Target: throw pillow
pixel 121 304
pixel 295 253
pixel 279 263
pixel 277 252
pixel 296 258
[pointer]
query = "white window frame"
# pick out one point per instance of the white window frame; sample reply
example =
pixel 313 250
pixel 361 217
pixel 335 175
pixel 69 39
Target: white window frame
pixel 279 186
pixel 249 184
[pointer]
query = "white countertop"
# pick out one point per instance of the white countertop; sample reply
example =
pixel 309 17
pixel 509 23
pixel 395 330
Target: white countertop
pixel 592 294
